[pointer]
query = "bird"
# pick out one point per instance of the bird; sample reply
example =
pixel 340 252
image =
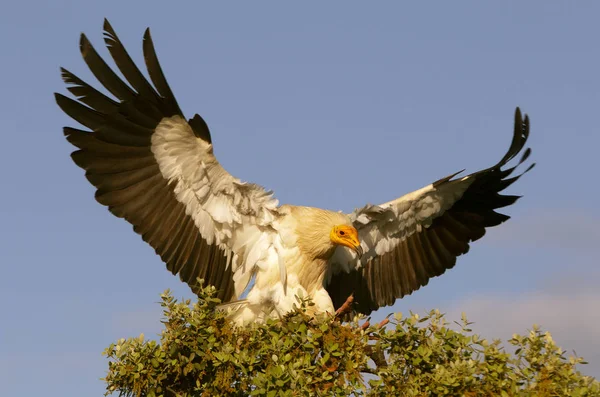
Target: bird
pixel 157 170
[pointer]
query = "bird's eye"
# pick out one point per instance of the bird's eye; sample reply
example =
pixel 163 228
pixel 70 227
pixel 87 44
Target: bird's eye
pixel 342 233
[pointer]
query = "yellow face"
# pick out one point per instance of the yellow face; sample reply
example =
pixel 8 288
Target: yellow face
pixel 346 236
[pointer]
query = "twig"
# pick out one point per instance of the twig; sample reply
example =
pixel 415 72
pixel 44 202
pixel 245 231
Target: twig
pixel 377 356
pixel 346 307
pixel 383 323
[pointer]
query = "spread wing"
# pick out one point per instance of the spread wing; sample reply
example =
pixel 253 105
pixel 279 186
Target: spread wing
pixel 157 170
pixel 418 236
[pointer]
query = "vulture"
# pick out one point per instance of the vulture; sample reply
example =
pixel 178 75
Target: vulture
pixel 157 170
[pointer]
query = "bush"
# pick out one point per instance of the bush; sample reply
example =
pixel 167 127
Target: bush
pixel 202 354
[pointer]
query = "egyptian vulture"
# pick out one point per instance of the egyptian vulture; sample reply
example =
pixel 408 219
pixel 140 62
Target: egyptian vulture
pixel 158 171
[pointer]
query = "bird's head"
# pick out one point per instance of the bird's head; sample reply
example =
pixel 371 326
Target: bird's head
pixel 347 236
pixel 320 232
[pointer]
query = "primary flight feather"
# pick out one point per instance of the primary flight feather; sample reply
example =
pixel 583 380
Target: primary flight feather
pixel 157 170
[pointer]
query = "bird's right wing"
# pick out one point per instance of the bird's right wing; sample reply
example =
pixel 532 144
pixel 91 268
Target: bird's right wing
pixel 157 170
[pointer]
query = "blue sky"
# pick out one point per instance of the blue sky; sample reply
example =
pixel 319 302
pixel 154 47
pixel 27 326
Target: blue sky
pixel 406 92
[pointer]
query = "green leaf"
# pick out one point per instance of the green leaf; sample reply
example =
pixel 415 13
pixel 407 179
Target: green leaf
pixel 201 353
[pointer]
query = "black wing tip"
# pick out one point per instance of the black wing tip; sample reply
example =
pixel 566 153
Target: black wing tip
pixel 522 124
pixel 68 77
pixel 519 140
pixel 83 41
pixel 68 131
pixel 60 98
pixel 530 168
pixel 109 33
pixel 148 43
pixel 447 178
pixel 507 200
pixel 526 155
pixel 522 117
pixel 85 46
pixel 106 25
pixel 108 28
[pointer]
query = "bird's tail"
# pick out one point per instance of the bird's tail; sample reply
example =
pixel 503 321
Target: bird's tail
pixel 243 312
pixel 239 312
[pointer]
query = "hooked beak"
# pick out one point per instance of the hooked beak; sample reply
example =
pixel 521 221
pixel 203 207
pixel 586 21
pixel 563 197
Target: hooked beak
pixel 359 251
pixel 347 236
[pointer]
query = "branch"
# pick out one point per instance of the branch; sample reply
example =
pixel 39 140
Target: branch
pixel 377 356
pixel 346 307
pixel 367 370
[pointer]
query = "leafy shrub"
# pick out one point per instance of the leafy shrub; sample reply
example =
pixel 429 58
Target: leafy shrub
pixel 202 354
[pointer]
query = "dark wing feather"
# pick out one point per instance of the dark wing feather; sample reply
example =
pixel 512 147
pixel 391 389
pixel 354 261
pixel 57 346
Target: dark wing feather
pixel 421 234
pixel 118 160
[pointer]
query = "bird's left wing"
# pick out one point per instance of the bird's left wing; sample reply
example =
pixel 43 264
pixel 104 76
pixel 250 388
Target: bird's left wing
pixel 157 170
pixel 418 236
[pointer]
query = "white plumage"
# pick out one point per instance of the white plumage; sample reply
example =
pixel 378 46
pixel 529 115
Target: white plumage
pixel 157 170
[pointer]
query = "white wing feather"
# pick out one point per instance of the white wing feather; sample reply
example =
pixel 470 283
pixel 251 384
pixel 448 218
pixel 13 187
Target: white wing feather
pixel 234 215
pixel 382 227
